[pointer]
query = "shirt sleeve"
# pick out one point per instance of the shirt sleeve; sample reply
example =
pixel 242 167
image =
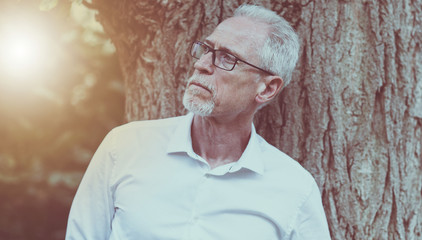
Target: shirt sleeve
pixel 311 221
pixel 92 208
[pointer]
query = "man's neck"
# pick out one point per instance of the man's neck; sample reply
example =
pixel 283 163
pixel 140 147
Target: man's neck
pixel 219 141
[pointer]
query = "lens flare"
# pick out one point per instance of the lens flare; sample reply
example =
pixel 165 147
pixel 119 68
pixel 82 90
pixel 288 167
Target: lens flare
pixel 25 51
pixel 20 54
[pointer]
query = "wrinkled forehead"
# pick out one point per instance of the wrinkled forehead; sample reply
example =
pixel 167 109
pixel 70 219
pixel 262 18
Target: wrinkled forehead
pixel 242 35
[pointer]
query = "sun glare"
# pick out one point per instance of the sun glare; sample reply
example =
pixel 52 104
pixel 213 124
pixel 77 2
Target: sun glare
pixel 20 54
pixel 24 50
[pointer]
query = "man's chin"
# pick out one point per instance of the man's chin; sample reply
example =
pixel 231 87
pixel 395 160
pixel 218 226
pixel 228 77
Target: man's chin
pixel 199 108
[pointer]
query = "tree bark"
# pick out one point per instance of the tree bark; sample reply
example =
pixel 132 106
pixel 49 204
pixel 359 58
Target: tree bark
pixel 352 115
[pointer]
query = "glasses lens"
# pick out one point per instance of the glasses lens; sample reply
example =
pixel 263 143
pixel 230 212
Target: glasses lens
pixel 221 59
pixel 224 60
pixel 198 50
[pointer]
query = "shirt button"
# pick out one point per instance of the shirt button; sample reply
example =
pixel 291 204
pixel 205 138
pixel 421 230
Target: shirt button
pixel 194 220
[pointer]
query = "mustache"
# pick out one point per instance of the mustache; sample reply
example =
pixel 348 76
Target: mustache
pixel 200 80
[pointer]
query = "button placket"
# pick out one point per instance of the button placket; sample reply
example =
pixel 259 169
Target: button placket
pixel 194 218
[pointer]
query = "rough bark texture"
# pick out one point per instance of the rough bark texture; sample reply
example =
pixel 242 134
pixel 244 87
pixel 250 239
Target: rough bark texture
pixel 352 116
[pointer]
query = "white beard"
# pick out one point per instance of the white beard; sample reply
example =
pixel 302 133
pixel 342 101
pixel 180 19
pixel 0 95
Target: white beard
pixel 195 103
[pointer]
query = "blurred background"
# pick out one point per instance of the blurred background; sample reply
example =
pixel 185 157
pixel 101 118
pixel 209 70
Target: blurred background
pixel 61 91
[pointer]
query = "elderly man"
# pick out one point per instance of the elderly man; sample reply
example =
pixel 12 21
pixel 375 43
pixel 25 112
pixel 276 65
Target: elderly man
pixel 207 175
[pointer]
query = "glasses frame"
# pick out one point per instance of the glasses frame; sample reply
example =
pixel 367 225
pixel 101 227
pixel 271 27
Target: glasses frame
pixel 209 49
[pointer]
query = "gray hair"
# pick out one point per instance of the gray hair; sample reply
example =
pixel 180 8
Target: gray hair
pixel 280 51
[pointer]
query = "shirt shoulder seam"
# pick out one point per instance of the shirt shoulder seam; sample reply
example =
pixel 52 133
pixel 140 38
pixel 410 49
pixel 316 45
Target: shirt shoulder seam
pixel 299 206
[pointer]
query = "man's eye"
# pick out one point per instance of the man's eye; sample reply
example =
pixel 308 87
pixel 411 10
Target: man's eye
pixel 204 49
pixel 228 58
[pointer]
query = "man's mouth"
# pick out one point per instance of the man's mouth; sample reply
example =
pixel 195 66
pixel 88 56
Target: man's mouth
pixel 200 85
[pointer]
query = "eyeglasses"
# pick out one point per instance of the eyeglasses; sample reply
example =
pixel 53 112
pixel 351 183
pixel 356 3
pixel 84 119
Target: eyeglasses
pixel 220 58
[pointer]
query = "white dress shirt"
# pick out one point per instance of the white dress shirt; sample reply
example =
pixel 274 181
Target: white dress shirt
pixel 145 182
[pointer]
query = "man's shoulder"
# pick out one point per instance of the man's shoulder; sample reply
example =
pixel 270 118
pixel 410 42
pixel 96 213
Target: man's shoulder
pixel 153 135
pixel 155 125
pixel 279 163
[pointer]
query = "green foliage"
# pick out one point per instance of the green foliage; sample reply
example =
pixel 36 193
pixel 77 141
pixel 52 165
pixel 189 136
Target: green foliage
pixel 52 121
pixel 47 5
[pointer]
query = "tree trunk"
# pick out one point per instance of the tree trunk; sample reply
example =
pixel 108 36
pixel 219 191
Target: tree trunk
pixel 352 115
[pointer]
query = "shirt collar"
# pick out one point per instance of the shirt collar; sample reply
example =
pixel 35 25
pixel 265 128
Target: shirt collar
pixel 251 158
pixel 181 140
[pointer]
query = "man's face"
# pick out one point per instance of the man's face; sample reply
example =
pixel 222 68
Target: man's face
pixel 212 91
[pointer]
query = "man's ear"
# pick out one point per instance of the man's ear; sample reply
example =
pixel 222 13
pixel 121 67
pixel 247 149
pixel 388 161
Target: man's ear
pixel 269 88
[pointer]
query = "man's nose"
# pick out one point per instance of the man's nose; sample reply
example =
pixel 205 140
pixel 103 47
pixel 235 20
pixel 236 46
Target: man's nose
pixel 204 64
